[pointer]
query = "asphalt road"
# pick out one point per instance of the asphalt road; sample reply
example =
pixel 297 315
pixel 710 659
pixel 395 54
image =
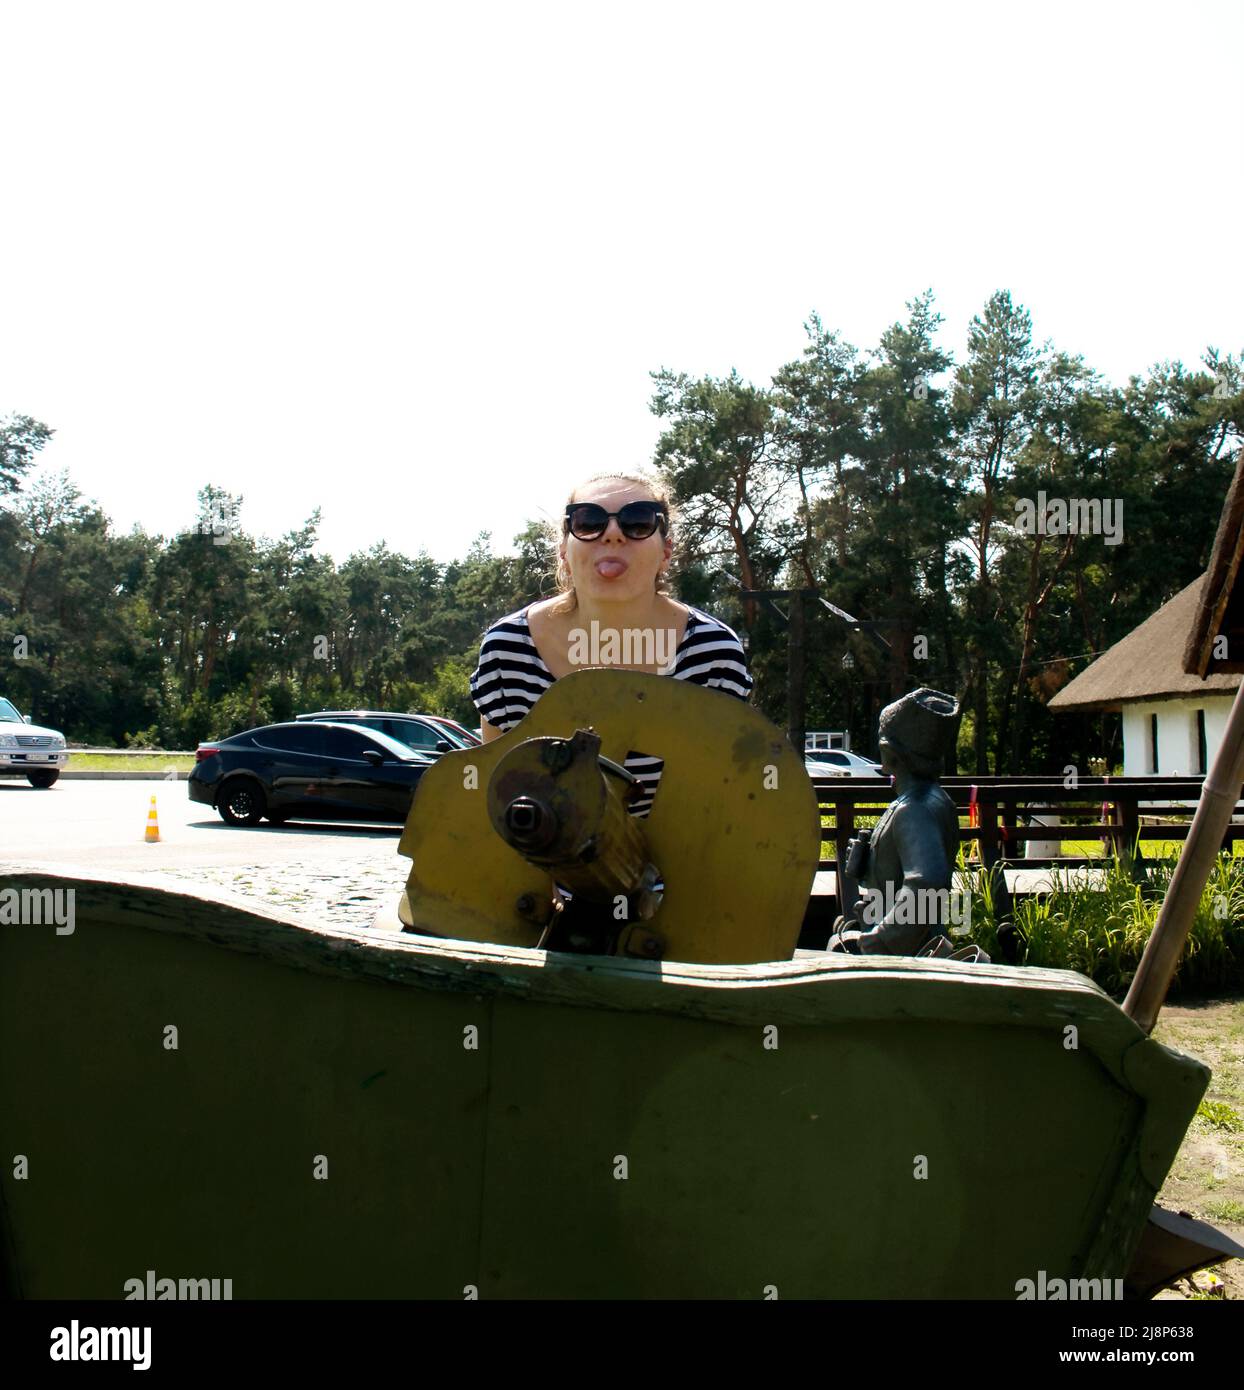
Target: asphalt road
pixel 341 873
pixel 102 823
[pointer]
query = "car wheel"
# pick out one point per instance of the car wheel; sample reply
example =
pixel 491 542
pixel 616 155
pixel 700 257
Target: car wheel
pixel 42 779
pixel 241 802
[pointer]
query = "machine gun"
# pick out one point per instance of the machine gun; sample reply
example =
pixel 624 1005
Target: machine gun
pixel 566 808
pixel 719 871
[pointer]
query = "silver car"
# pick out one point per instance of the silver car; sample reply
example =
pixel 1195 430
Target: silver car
pixel 833 762
pixel 27 750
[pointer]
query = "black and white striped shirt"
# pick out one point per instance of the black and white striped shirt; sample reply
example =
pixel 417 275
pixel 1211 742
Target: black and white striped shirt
pixel 511 677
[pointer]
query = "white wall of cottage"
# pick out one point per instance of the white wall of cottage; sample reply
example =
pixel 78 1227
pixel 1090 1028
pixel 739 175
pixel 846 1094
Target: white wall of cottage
pixel 1177 734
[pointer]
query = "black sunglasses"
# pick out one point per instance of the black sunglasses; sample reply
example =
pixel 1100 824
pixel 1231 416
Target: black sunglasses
pixel 587 521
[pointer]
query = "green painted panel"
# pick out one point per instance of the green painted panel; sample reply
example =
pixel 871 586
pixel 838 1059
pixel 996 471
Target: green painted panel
pixel 199 1162
pixel 748 1166
pixel 793 1167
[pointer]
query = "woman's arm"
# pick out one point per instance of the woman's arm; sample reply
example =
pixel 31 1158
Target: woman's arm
pixel 485 675
pixel 729 671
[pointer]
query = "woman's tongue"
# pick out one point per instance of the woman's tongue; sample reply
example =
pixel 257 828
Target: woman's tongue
pixel 611 566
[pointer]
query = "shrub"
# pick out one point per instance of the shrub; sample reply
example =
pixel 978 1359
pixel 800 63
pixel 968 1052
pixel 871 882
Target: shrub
pixel 1099 927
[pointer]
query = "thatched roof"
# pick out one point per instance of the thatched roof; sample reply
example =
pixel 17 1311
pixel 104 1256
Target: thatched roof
pixel 1147 664
pixel 1221 606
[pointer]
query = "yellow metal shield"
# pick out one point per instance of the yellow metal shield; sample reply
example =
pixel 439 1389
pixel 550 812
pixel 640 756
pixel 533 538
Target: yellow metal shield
pixel 734 829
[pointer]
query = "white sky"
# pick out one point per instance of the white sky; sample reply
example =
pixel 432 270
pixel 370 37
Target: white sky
pixel 413 263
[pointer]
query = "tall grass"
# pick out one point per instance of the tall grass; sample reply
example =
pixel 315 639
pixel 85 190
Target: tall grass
pixel 1100 927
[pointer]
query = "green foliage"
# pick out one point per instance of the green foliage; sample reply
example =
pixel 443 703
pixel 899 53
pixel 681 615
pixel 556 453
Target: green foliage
pixel 141 642
pixel 21 437
pixel 1098 926
pixel 448 693
pixel 888 478
pixel 892 481
pixel 1219 1115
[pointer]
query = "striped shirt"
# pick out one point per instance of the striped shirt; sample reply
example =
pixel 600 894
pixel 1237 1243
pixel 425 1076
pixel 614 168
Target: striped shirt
pixel 511 677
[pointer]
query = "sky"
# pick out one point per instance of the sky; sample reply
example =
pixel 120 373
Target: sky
pixel 413 263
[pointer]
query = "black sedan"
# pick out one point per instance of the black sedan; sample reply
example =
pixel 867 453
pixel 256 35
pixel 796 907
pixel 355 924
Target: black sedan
pixel 307 771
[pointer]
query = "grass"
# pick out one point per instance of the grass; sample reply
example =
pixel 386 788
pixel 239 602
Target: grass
pixel 1207 1177
pixel 1219 1115
pixel 108 762
pixel 1101 929
pixel 1100 849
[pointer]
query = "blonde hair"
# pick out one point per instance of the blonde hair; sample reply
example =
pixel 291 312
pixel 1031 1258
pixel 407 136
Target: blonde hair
pixel 567 600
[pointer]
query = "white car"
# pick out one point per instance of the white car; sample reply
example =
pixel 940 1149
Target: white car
pixel 832 762
pixel 28 751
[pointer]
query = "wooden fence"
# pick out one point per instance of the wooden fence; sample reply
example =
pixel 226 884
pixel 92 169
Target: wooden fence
pixel 1123 812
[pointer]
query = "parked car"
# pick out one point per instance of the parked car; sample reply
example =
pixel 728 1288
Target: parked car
pixel 827 762
pixel 426 733
pixel 29 750
pixel 313 770
pixel 452 724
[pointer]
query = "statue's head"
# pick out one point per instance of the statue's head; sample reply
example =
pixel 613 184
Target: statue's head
pixel 916 730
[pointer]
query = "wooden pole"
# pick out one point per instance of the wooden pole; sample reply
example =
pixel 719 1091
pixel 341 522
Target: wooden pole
pixel 1219 794
pixel 795 673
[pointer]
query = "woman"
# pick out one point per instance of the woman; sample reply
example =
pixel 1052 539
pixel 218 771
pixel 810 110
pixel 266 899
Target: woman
pixel 612 609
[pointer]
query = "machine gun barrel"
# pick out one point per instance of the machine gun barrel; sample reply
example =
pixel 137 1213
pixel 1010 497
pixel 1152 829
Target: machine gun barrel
pixel 564 809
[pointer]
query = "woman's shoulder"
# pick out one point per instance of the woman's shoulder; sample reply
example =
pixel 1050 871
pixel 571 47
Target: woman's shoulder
pixel 704 628
pixel 507 650
pixel 542 615
pixel 513 626
pixel 712 654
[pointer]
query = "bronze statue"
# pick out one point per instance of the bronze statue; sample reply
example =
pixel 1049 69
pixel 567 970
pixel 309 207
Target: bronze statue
pixel 897 881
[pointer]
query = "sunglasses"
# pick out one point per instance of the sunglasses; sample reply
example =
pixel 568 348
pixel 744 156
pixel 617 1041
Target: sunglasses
pixel 587 521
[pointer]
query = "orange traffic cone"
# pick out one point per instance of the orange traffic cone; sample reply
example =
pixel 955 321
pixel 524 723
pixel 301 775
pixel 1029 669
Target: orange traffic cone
pixel 153 824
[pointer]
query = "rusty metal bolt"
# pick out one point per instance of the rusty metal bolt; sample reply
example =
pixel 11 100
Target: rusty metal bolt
pixel 557 755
